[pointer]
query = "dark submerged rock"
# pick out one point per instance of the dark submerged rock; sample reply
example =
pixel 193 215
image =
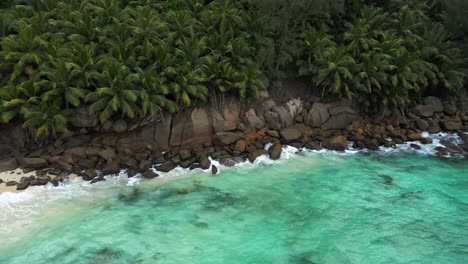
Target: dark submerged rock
pixel 214 170
pixel 149 174
pixel 166 167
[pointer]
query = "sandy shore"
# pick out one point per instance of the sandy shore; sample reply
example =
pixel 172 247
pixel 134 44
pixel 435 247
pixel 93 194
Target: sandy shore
pixel 16 176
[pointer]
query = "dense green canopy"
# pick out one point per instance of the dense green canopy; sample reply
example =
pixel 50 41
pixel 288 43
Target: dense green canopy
pixel 133 58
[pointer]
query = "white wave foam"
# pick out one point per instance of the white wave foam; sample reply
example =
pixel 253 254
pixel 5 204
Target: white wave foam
pixel 79 188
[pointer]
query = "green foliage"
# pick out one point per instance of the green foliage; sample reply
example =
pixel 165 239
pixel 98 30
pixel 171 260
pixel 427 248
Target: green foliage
pixel 120 58
pixel 133 58
pixel 384 58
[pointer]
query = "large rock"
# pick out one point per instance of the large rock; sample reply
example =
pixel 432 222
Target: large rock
pixel 317 115
pixel 255 154
pixel 413 136
pixel 336 143
pixel 231 110
pixel 223 125
pixel 205 163
pixel 434 102
pixel 12 139
pixel 290 134
pixel 284 116
pixel 423 110
pixel 84 119
pixel 191 128
pixel 295 132
pixel 451 125
pixel 275 151
pixel 340 118
pixel 111 167
pixel 108 154
pixel 433 127
pixel 254 121
pixel 149 174
pixel 166 167
pixel 272 119
pixel 450 109
pixel 226 138
pixel 33 163
pixel 8 164
pixel 422 124
pixel 240 146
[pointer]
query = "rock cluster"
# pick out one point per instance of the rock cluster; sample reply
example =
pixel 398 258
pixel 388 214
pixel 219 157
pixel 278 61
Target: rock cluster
pixel 226 134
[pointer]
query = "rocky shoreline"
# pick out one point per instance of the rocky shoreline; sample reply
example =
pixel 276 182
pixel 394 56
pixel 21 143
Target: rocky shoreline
pixel 227 133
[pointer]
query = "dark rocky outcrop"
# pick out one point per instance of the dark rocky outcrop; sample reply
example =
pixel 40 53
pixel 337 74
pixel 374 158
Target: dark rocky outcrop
pixel 8 164
pixel 166 167
pixel 214 170
pixel 205 162
pixel 34 163
pixel 255 154
pixel 275 151
pixel 336 143
pixel 149 174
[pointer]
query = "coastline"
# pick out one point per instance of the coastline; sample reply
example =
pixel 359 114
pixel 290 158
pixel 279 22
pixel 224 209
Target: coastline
pixel 287 152
pixel 195 140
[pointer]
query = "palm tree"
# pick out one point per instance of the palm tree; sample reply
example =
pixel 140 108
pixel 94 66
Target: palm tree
pixel 335 71
pixel 154 95
pixel 22 51
pixel 58 81
pixel 46 118
pixel 115 91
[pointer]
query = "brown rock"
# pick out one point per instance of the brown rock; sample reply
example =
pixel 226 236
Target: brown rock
pixel 145 165
pixel 434 102
pixel 34 163
pixel 273 133
pixel 108 154
pixel 336 143
pixel 433 127
pixel 149 174
pixel 240 146
pixel 450 109
pixel 8 164
pixel 275 151
pixel 226 138
pixel 451 125
pixel 255 154
pixel 204 162
pixel 340 118
pixel 284 116
pixel 317 115
pixel 413 136
pixel 422 124
pixel 111 167
pixel 423 110
pixel 426 140
pixel 290 134
pixel 372 144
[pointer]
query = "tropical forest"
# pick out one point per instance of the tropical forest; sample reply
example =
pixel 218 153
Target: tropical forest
pixel 137 58
pixel 233 131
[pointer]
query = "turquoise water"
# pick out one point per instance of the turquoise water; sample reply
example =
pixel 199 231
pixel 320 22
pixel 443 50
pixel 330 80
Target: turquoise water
pixel 311 208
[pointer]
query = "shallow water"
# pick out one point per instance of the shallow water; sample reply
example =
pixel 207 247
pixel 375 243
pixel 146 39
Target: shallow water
pixel 385 207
